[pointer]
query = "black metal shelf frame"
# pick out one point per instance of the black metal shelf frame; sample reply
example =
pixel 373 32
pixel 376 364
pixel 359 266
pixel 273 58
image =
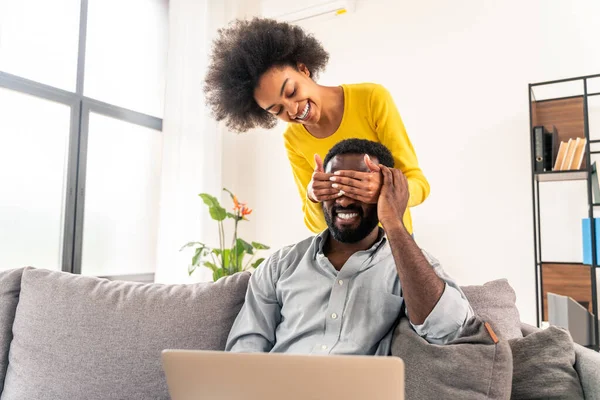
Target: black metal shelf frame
pixel 555 176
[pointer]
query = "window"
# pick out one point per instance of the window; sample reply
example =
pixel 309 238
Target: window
pixel 121 200
pixel 42 45
pixel 34 143
pixel 81 99
pixel 125 64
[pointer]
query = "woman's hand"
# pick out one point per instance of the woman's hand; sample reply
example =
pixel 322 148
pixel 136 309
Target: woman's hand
pixel 361 186
pixel 319 188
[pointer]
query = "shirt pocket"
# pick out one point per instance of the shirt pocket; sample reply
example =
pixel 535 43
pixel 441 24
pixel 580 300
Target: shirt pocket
pixel 369 315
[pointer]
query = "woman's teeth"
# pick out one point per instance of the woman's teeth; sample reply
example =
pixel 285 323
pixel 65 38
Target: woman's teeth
pixel 304 112
pixel 347 215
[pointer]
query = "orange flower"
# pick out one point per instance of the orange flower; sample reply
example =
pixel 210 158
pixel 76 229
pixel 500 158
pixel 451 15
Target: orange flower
pixel 241 208
pixel 245 210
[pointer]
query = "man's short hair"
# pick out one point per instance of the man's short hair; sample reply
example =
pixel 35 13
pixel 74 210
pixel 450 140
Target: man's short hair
pixel 361 146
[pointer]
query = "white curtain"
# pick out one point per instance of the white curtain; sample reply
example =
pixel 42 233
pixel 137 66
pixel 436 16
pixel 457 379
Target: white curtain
pixel 192 149
pixel 191 146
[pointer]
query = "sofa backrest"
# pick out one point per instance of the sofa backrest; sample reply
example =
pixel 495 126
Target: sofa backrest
pixel 10 286
pixel 495 302
pixel 79 337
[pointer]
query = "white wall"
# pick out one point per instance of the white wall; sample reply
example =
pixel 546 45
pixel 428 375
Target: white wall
pixel 459 73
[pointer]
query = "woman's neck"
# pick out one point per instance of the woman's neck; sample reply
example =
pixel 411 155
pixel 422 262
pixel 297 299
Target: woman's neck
pixel 332 111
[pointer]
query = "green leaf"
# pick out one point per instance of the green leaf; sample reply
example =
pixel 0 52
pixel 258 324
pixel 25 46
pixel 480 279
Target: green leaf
pixel 239 261
pixel 217 252
pixel 197 255
pixel 219 273
pixel 191 269
pixel 190 244
pixel 209 200
pixel 260 246
pixel 217 212
pixel 226 258
pixel 247 247
pixel 256 263
pixel 237 255
pixel 230 215
pixel 210 265
pixel 240 251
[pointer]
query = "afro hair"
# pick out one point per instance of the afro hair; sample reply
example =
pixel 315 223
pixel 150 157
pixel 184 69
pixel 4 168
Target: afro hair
pixel 242 52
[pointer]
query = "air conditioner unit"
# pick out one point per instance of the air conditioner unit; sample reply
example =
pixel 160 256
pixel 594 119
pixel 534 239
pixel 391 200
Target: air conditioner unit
pixel 319 10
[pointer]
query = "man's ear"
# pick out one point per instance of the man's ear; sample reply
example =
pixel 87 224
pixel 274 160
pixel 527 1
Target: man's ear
pixel 303 69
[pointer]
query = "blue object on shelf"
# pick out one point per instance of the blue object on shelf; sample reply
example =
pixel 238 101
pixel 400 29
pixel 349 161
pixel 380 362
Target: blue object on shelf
pixel 587 241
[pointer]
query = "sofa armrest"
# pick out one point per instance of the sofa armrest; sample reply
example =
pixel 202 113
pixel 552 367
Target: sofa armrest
pixel 587 365
pixel 588 368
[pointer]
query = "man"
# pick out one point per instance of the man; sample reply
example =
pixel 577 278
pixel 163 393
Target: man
pixel 341 292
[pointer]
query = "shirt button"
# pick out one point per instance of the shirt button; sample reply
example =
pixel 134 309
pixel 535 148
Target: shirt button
pixel 334 315
pixel 340 282
pixel 324 347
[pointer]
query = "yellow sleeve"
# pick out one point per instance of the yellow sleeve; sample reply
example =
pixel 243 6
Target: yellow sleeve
pixel 392 134
pixel 302 170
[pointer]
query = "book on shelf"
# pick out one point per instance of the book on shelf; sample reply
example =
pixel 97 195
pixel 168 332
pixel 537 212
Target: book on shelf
pixel 587 240
pixel 595 184
pixel 578 153
pixel 538 147
pixel 570 155
pixel 551 154
pixel 552 144
pixel 562 151
pixel 546 148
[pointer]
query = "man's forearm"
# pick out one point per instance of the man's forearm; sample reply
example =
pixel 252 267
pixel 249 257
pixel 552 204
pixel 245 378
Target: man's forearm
pixel 421 286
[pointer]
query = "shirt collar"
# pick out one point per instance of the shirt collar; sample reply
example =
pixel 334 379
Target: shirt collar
pixel 321 239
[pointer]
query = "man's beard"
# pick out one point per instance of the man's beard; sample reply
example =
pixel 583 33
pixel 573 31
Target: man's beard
pixel 351 235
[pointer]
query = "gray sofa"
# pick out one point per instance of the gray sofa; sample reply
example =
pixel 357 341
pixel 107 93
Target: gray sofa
pixel 68 337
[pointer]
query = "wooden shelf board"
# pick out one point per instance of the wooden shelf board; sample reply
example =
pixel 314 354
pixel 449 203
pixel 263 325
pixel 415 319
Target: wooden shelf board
pixel 562 262
pixel 568 263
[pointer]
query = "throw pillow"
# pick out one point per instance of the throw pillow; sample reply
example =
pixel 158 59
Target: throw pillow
pixel 588 369
pixel 543 366
pixel 10 286
pixel 476 365
pixel 78 337
pixel 494 302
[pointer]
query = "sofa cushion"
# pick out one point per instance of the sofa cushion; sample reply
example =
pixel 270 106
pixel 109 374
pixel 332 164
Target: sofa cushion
pixel 78 337
pixel 588 369
pixel 543 366
pixel 495 303
pixel 474 366
pixel 10 286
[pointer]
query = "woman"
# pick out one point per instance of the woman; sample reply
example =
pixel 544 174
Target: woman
pixel 262 69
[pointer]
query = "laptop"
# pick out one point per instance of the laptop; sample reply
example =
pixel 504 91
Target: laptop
pixel 195 374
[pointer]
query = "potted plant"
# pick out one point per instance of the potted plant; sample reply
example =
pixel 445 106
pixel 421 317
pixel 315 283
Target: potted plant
pixel 224 260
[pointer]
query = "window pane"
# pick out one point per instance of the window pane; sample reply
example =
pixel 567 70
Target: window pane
pixel 121 198
pixel 34 136
pixel 39 40
pixel 126 53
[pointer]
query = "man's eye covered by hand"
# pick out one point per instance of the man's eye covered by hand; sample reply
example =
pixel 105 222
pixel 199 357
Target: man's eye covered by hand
pixel 361 186
pixel 319 188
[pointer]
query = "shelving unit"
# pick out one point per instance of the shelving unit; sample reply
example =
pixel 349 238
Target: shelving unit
pixel 569 114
